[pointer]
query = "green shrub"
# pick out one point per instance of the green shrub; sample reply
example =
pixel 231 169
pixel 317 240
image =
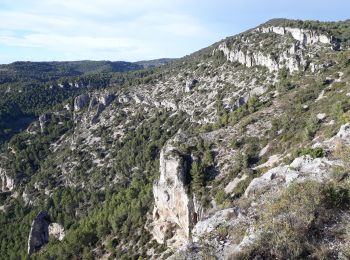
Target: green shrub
pixel 285 221
pixel 220 197
pixel 336 196
pixel 313 152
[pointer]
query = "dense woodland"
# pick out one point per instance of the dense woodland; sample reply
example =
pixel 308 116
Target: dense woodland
pixel 29 89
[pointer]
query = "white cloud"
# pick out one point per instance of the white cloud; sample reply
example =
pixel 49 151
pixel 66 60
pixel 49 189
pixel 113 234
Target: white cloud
pixel 62 42
pixel 131 29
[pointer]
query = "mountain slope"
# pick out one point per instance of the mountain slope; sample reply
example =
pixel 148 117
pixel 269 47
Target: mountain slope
pixel 237 151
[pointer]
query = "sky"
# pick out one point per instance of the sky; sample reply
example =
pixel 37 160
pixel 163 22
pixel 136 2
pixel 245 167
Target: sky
pixel 132 30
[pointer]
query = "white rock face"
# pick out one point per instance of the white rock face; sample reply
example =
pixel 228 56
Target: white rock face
pixel 344 134
pixel 291 59
pixel 209 224
pixel 273 159
pixel 343 137
pixel 300 169
pixel 175 212
pixel 97 104
pixel 302 35
pixel 321 116
pixel 106 99
pixel 233 184
pixel 249 59
pixel 56 231
pixel 7 183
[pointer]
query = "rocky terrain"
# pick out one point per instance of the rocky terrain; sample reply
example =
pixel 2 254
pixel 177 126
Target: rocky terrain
pixel 238 151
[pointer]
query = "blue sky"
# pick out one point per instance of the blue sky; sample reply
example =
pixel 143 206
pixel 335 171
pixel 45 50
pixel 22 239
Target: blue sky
pixel 45 30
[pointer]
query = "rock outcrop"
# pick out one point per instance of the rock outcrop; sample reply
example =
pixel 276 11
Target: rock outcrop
pixel 289 59
pixel 44 121
pixel 7 182
pixel 99 102
pixel 39 232
pixel 56 231
pixel 301 169
pixel 176 211
pixel 81 101
pixel 344 134
pixel 304 36
pixel 292 59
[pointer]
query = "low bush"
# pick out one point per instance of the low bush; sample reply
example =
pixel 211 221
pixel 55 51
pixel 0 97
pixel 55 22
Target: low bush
pixel 313 152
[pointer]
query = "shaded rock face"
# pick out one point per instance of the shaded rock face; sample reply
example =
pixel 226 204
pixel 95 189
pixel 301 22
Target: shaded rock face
pixel 175 212
pixel 81 101
pixel 39 232
pixel 99 103
pixel 191 85
pixel 44 120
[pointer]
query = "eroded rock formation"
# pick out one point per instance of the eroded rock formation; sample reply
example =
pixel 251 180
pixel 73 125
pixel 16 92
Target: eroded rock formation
pixel 304 36
pixel 291 59
pixel 175 212
pixel 40 231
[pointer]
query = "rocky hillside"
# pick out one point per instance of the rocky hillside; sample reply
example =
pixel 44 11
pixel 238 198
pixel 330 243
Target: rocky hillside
pixel 238 151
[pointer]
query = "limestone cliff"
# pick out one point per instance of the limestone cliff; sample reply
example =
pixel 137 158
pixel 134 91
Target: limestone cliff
pixel 304 36
pixel 175 211
pixel 291 59
pixel 250 53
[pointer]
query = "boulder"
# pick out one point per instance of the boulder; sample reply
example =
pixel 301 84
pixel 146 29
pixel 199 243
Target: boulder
pixel 344 134
pixel 321 116
pixel 56 231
